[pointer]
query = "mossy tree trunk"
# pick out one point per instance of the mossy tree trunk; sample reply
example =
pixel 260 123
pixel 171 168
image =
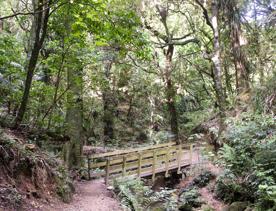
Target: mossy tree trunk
pixel 170 92
pixel 37 37
pixel 108 104
pixel 239 57
pixel 74 119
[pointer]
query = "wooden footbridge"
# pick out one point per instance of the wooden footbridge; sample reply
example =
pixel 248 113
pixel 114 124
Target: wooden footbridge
pixel 140 162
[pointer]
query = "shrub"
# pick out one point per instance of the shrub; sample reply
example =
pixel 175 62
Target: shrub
pixel 136 196
pixel 249 157
pixel 203 179
pixel 190 198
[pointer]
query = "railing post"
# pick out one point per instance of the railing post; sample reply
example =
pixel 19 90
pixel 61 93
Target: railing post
pixel 107 170
pixel 167 162
pixel 191 153
pixel 179 156
pixel 139 164
pixel 88 167
pixel 124 166
pixel 153 165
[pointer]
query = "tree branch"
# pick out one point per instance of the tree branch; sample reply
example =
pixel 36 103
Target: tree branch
pixel 185 42
pixel 205 14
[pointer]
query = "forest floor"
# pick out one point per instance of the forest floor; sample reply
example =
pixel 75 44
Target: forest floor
pixel 206 193
pixel 90 196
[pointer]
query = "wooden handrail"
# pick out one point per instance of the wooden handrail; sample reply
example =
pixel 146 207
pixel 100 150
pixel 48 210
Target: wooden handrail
pixel 126 151
pixel 145 161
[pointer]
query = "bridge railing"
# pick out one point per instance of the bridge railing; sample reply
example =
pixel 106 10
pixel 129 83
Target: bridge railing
pixel 144 161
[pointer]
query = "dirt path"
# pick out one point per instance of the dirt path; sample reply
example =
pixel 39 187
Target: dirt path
pixel 89 196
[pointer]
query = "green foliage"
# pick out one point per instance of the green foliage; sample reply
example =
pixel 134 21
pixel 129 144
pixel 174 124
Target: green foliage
pixel 189 120
pixel 203 179
pixel 263 99
pixel 11 68
pixel 190 199
pixel 249 156
pixel 231 188
pixel 136 196
pixel 64 187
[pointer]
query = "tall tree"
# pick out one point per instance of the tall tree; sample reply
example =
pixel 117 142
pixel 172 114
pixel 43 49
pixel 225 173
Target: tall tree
pixel 38 31
pixel 215 55
pixel 168 41
pixel 108 100
pixel 74 118
pixel 236 40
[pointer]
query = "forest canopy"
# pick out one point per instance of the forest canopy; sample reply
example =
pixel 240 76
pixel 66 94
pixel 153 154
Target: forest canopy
pixel 126 73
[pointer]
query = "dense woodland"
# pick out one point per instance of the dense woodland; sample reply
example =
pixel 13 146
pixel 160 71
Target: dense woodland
pixel 115 74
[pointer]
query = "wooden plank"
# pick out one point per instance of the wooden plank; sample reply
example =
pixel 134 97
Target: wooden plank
pixel 135 164
pixel 119 159
pixel 148 171
pixel 141 163
pixel 119 152
pixel 146 153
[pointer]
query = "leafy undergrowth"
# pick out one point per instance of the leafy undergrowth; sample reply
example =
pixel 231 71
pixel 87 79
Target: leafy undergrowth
pixel 186 196
pixel 249 159
pixel 28 174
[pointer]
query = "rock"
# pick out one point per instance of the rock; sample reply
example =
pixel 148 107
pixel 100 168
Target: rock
pixel 111 188
pixel 30 147
pixel 236 206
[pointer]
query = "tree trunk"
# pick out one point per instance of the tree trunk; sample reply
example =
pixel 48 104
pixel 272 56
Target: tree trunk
pixel 74 119
pixel 170 92
pixel 217 67
pixel 108 105
pixel 242 71
pixel 227 78
pixel 38 33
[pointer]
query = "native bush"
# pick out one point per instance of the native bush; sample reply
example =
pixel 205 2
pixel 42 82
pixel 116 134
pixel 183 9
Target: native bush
pixel 135 195
pixel 249 157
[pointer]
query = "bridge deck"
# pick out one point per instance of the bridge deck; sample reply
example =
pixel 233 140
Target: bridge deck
pixel 140 162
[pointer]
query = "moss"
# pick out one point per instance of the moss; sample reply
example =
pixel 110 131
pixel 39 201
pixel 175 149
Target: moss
pixel 65 187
